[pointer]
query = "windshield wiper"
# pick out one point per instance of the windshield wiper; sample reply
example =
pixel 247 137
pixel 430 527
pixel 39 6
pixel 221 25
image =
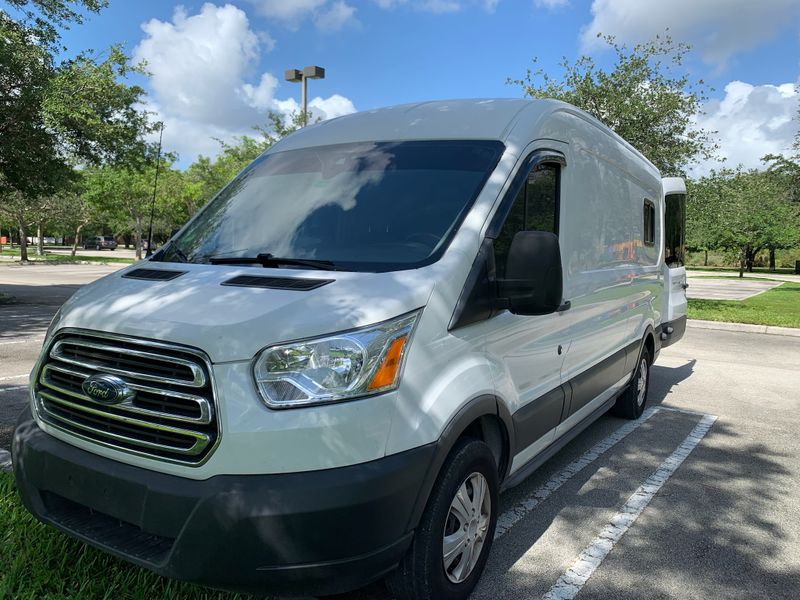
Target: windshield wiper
pixel 268 260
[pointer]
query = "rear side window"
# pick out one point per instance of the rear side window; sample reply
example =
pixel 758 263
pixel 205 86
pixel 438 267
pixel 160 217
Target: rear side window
pixel 649 230
pixel 535 209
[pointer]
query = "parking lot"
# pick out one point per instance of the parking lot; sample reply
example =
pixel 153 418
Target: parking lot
pixel 698 499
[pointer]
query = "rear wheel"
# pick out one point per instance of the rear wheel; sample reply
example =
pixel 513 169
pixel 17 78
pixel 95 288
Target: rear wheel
pixel 452 543
pixel 631 403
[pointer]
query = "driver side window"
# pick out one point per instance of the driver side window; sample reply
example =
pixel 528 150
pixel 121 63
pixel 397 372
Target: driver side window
pixel 535 209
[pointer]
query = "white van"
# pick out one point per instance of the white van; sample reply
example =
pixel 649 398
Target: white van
pixel 331 372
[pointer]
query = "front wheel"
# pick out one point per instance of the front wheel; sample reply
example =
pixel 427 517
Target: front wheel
pixel 631 403
pixel 452 543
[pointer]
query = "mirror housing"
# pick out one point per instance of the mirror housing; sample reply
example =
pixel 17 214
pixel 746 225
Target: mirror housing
pixel 533 283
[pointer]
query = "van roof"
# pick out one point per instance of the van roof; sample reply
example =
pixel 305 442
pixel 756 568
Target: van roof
pixel 476 119
pixel 473 119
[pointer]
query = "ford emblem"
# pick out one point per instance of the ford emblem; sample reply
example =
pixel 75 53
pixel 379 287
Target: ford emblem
pixel 107 389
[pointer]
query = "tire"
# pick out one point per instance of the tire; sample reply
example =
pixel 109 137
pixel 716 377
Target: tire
pixel 630 404
pixel 422 574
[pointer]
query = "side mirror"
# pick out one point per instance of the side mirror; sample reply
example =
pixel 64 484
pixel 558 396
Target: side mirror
pixel 533 283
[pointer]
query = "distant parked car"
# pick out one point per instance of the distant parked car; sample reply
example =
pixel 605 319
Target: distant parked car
pixel 100 242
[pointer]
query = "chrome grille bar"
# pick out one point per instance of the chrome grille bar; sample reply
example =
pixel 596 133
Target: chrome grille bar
pixel 197 379
pixel 169 413
pixel 200 440
pixel 202 404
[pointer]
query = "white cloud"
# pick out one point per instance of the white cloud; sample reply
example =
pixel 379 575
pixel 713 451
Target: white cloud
pixel 718 28
pixel 204 82
pixel 550 4
pixel 336 16
pixel 751 121
pixel 327 16
pixel 438 6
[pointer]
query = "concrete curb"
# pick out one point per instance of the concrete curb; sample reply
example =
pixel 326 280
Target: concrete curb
pixel 744 327
pixel 5 461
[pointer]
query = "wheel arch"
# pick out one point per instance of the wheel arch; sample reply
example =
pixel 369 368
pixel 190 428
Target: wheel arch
pixel 486 418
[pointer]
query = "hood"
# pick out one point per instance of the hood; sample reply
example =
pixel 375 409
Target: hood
pixel 232 323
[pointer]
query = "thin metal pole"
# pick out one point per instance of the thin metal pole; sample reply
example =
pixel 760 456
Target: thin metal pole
pixel 149 252
pixel 303 101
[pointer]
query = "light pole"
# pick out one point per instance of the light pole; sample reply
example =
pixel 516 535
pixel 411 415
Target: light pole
pixel 149 252
pixel 298 76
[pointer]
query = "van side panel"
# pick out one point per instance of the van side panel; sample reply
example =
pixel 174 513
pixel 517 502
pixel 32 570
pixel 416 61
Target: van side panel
pixel 610 275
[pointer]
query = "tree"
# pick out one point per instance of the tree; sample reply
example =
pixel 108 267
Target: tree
pixel 55 115
pixel 205 177
pixel 642 99
pixel 745 212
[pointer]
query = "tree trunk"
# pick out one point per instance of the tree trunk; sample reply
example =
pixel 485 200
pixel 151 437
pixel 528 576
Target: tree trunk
pixel 23 244
pixel 127 238
pixel 772 260
pixel 138 238
pixel 742 259
pixel 705 260
pixel 75 241
pixel 39 240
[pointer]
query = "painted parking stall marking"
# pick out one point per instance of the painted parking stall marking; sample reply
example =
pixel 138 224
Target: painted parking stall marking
pixel 571 582
pixel 513 515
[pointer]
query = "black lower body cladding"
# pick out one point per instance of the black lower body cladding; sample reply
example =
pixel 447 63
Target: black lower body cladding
pixel 320 532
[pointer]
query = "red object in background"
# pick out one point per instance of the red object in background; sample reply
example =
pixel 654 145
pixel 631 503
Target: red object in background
pixel 3 240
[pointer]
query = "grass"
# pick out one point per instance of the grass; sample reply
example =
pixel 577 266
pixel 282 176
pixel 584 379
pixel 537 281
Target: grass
pixel 36 561
pixel 779 306
pixel 52 259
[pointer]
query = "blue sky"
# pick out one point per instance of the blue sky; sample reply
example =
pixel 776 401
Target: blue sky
pixel 217 68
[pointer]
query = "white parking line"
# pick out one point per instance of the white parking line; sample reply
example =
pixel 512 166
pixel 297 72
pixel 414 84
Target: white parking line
pixel 25 341
pixel 13 388
pixel 571 582
pixel 10 377
pixel 514 514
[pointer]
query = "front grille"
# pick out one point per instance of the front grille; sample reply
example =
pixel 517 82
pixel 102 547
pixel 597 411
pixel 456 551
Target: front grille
pixel 170 416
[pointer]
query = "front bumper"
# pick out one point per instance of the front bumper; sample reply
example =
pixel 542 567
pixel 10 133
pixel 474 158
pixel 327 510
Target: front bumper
pixel 318 532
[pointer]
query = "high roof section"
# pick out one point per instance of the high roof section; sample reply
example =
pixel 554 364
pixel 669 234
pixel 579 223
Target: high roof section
pixel 488 119
pixel 514 122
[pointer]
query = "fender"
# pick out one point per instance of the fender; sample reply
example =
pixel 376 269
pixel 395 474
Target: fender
pixel 481 406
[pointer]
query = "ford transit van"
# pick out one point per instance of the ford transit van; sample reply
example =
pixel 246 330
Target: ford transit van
pixel 332 371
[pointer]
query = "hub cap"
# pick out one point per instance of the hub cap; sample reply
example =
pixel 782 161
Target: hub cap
pixel 641 383
pixel 466 527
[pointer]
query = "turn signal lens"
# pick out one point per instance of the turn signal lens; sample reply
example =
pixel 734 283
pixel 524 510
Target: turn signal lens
pixel 386 375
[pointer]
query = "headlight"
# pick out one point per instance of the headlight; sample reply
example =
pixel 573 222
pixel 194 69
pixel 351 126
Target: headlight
pixel 337 367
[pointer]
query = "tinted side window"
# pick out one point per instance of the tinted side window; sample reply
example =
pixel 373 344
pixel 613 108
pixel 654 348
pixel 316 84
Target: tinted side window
pixel 649 223
pixel 535 209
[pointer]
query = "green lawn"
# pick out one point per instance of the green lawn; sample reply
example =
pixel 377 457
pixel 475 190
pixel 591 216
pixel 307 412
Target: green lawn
pixel 37 561
pixel 779 306
pixel 51 258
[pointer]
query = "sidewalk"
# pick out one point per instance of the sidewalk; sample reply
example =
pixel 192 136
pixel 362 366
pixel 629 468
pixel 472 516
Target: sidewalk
pixel 712 273
pixel 744 327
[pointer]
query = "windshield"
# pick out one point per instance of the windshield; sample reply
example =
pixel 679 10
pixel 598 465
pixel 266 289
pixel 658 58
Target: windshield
pixel 363 207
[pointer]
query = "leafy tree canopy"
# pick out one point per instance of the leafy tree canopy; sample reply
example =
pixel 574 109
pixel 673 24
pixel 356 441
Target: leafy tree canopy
pixel 648 98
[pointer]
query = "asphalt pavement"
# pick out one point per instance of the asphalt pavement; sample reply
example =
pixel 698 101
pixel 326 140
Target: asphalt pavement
pixel 728 289
pixel 697 500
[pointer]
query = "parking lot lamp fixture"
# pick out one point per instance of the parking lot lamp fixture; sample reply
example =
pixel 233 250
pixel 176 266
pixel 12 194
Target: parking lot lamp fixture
pixel 298 76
